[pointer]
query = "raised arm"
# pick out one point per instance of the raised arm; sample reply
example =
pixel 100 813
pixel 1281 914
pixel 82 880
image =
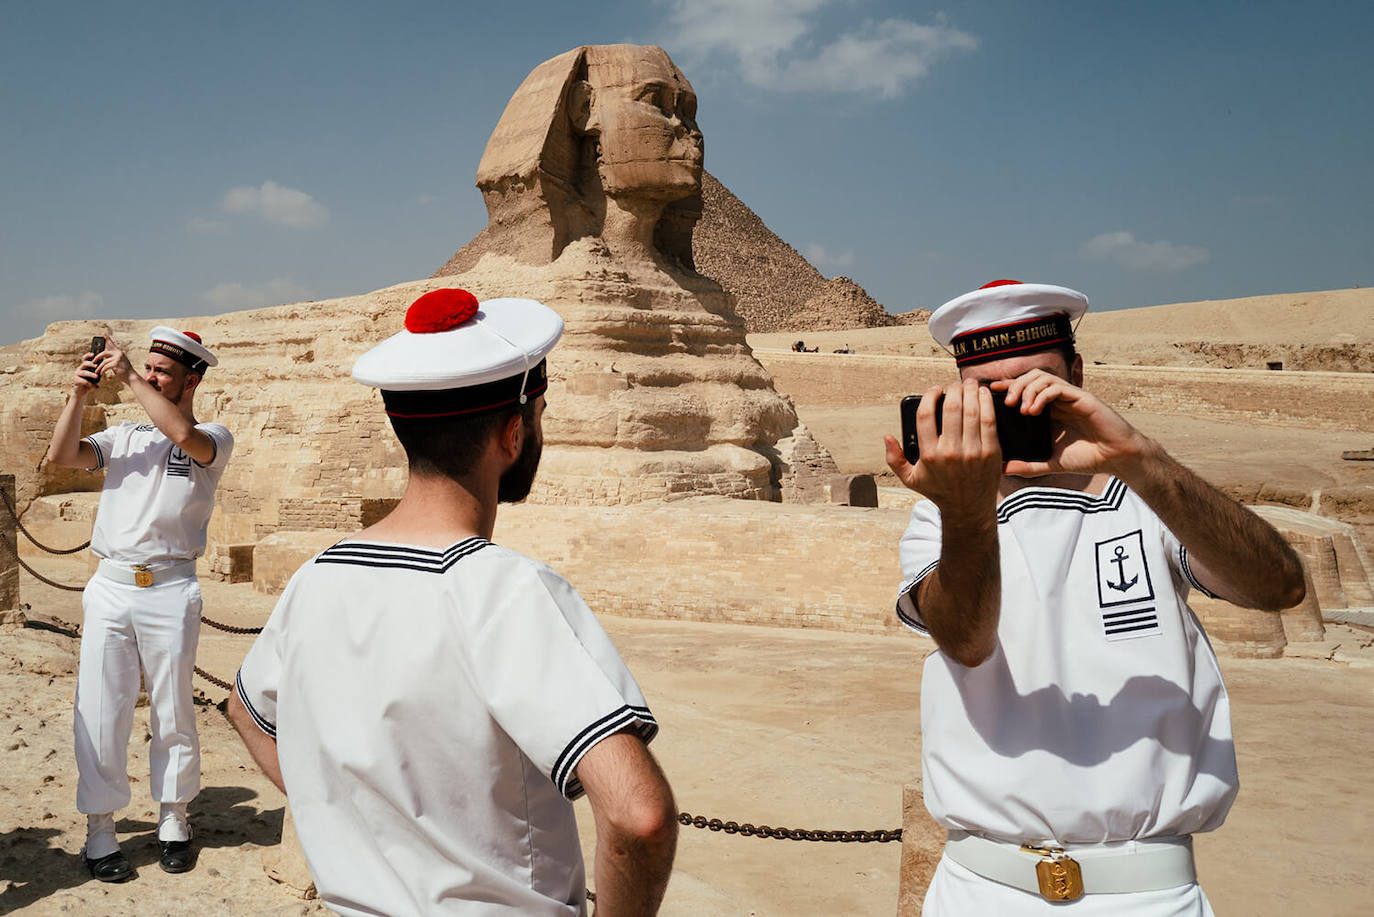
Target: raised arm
pixel 636 825
pixel 166 415
pixel 1231 551
pixel 67 448
pixel 959 470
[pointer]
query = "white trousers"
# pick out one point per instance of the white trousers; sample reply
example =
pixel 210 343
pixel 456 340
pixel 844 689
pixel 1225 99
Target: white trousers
pixel 958 892
pixel 126 628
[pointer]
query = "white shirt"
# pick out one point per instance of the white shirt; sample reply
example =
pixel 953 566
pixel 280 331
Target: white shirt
pixel 157 500
pixel 1101 716
pixel 430 708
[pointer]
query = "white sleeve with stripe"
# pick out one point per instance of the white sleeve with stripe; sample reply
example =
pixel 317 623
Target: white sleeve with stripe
pixel 551 677
pixel 919 551
pixel 259 676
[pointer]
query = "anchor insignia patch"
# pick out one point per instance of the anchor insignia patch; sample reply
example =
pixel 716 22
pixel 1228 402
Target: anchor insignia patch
pixel 1124 589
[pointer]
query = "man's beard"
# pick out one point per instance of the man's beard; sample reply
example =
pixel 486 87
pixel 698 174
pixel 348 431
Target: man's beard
pixel 517 480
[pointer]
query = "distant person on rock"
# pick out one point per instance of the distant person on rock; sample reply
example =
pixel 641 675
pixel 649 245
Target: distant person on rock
pixel 430 702
pixel 142 606
pixel 1075 729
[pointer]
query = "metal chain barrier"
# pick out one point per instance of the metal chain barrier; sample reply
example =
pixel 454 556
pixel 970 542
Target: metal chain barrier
pixel 790 834
pixel 14 552
pixel 229 628
pixel 217 682
pixel 685 818
pixel 14 514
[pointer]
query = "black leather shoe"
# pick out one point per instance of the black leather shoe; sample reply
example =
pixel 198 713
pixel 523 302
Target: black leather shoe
pixel 111 868
pixel 177 856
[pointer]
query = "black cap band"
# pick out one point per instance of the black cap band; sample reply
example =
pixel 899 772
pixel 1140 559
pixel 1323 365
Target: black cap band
pixel 183 356
pixel 472 399
pixel 1012 340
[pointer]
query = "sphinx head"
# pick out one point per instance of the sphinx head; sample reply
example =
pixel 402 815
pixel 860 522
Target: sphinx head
pixel 599 141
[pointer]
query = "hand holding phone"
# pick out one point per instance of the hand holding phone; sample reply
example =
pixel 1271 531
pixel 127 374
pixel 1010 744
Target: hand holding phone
pixel 1023 437
pixel 97 347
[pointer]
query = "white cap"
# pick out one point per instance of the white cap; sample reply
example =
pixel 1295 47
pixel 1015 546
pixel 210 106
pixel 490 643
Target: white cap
pixel 1005 318
pixel 183 346
pixel 452 342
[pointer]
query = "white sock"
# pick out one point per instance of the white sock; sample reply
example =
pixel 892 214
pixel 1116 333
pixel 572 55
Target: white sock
pixel 100 836
pixel 171 822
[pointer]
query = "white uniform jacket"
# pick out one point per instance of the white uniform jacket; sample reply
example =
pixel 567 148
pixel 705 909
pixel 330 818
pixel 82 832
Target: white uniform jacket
pixel 430 708
pixel 1101 716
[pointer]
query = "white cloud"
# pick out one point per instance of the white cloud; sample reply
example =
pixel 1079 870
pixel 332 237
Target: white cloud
pixel 424 200
pixel 204 225
pixel 777 44
pixel 1125 249
pixel 230 296
pixel 60 308
pixel 826 260
pixel 276 204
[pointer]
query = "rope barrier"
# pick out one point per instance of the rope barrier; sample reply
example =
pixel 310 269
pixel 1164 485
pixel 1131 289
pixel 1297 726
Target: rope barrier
pixel 14 514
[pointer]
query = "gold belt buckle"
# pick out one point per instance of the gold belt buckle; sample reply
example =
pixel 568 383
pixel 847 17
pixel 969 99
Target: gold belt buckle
pixel 142 575
pixel 1059 875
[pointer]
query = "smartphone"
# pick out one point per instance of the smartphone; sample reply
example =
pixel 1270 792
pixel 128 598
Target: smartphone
pixel 97 345
pixel 1023 437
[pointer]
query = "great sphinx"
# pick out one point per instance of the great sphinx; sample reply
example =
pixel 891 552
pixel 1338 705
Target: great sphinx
pixel 592 180
pixel 592 183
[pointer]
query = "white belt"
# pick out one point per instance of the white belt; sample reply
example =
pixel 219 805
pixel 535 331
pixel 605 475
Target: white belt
pixel 1126 866
pixel 146 574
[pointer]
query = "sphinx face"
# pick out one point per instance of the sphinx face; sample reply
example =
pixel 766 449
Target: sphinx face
pixel 645 113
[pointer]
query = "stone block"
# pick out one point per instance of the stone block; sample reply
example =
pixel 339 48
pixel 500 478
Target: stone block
pixel 1303 622
pixel 232 563
pixel 9 563
pixel 285 863
pixel 277 557
pixel 923 842
pixel 853 490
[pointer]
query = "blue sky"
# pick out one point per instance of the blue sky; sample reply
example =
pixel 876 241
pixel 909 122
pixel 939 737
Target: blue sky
pixel 162 159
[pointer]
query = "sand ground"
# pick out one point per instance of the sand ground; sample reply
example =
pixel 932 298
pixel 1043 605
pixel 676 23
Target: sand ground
pixel 768 725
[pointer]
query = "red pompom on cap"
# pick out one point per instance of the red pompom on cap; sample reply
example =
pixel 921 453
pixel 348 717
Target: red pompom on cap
pixel 998 283
pixel 193 336
pixel 440 310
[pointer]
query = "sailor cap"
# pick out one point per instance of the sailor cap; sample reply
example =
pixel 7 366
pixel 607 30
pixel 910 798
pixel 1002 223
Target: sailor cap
pixel 183 346
pixel 1007 318
pixel 457 356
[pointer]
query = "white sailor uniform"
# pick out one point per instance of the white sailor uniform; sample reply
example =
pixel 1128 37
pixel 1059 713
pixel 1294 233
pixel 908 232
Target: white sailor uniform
pixel 1101 717
pixel 430 708
pixel 154 510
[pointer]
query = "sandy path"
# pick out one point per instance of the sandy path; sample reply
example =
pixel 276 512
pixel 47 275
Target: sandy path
pixel 776 726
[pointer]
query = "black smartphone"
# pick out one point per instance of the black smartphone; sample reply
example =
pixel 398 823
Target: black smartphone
pixel 1023 437
pixel 97 345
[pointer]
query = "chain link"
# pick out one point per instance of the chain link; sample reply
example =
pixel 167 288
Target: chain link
pixel 13 551
pixel 230 629
pixel 217 682
pixel 14 514
pixel 790 834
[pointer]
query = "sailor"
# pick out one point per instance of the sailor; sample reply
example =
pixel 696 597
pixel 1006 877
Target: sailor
pixel 431 702
pixel 142 606
pixel 1075 729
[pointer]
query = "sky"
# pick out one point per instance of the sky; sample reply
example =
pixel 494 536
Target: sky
pixel 164 159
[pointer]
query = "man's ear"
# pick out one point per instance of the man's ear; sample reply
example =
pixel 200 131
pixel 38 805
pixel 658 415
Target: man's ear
pixel 192 380
pixel 513 435
pixel 1076 371
pixel 580 107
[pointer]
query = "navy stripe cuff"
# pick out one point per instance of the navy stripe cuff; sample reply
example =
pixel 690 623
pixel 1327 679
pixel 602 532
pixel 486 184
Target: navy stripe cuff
pixel 269 728
pixel 636 719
